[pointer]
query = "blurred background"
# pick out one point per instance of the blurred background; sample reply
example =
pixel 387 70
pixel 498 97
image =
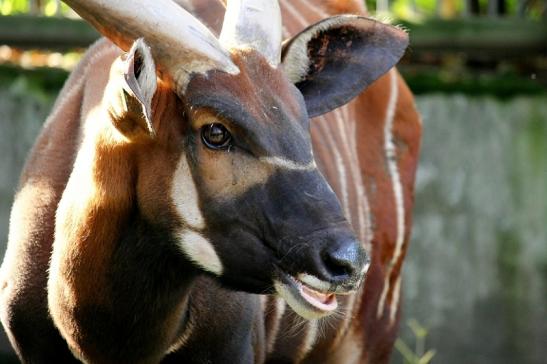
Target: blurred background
pixel 475 278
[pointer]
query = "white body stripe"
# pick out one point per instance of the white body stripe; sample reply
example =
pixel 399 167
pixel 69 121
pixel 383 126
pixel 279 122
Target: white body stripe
pixel 323 123
pixel 348 317
pixel 309 339
pixel 363 212
pixel 295 13
pixel 396 185
pixel 338 122
pixel 363 207
pixel 317 9
pixel 280 307
pixel 395 301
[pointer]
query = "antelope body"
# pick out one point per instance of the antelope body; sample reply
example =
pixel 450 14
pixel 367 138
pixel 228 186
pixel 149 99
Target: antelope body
pixel 173 208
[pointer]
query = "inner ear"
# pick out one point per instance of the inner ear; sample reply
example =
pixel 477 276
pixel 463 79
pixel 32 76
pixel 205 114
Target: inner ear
pixel 137 64
pixel 334 60
pixel 140 77
pixel 130 90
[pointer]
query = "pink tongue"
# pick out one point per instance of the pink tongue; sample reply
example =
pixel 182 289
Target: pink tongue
pixel 323 301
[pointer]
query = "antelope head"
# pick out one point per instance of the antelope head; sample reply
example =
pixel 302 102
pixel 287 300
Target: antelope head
pixel 229 171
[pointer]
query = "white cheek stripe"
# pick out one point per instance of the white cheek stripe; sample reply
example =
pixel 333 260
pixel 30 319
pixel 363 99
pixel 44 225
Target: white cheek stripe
pixel 185 196
pixel 397 189
pixel 288 164
pixel 200 251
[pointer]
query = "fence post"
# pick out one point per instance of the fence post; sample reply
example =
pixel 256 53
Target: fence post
pixel 496 8
pixel 382 6
pixel 35 6
pixel 58 8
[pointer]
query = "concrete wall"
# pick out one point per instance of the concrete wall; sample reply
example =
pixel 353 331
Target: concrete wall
pixel 476 274
pixel 24 109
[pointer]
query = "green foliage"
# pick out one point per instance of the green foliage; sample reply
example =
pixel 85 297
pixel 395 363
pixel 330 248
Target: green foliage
pixel 413 9
pixel 42 83
pixel 471 83
pixel 418 355
pixel 401 9
pixel 48 7
pixel 417 10
pixel 9 7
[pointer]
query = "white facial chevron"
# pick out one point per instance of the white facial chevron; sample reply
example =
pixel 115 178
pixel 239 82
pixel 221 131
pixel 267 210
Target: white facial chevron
pixel 288 164
pixel 194 245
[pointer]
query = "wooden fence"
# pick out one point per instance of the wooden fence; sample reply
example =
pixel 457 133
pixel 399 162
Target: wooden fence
pixel 438 8
pixel 484 32
pixel 483 28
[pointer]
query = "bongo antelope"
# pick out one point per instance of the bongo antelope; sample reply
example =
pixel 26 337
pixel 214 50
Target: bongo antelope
pixel 176 208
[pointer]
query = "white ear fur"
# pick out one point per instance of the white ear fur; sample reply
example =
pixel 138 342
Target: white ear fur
pixel 295 58
pixel 334 60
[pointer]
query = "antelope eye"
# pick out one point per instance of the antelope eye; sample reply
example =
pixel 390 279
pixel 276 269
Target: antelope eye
pixel 216 136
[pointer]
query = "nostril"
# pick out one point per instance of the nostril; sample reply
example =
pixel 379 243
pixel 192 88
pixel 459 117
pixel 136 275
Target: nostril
pixel 338 267
pixel 342 261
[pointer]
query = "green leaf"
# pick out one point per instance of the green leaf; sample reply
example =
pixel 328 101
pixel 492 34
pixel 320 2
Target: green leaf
pixel 417 329
pixel 426 358
pixel 406 352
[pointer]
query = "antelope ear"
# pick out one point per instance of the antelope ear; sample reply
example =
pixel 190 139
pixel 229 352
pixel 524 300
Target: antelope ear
pixel 132 86
pixel 332 61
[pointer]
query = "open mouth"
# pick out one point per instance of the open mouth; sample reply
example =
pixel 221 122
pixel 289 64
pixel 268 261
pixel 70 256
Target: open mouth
pixel 309 302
